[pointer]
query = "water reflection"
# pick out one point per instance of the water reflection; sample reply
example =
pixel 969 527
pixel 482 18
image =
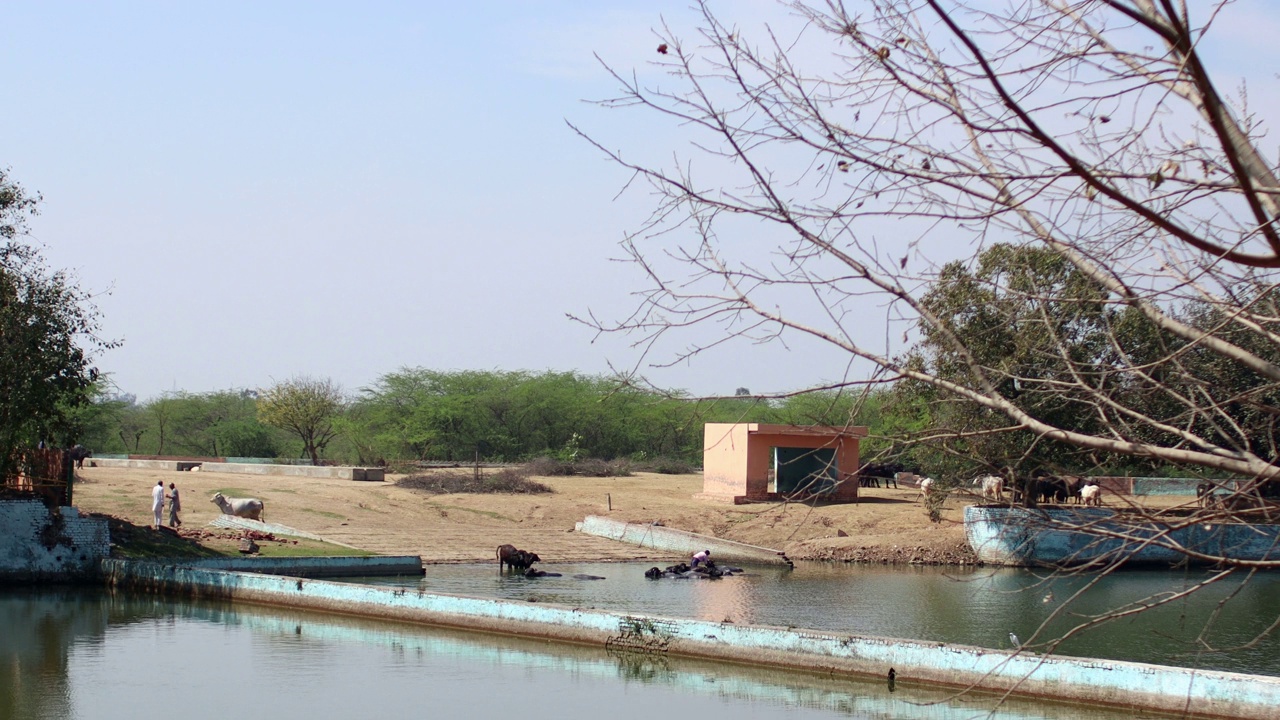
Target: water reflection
pixel 93 655
pixel 975 607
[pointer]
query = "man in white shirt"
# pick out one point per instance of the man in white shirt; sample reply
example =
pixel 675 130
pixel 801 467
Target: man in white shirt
pixel 157 502
pixel 700 558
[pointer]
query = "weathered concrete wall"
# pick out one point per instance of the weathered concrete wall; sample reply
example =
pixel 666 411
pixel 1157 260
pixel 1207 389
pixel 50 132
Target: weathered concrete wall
pixel 37 545
pixel 1059 536
pixel 170 465
pixel 375 474
pixel 340 473
pixel 1115 683
pixel 370 566
pixel 678 542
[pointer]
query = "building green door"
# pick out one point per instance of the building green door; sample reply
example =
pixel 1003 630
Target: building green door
pixel 808 470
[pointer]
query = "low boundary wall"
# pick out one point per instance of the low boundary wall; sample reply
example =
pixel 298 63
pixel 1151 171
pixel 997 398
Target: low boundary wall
pixel 375 474
pixel 648 535
pixel 1114 683
pixel 308 567
pixel 40 545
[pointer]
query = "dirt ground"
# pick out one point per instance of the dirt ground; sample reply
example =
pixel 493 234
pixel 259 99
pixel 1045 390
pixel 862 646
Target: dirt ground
pixel 889 525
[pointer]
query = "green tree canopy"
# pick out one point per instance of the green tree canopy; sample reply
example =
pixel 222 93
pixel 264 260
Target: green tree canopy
pixel 48 332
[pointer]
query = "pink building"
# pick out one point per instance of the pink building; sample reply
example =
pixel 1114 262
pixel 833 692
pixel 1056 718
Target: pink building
pixel 745 462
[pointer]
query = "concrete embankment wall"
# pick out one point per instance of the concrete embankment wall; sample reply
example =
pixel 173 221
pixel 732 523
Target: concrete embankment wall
pixel 1114 683
pixel 376 474
pixel 369 566
pixel 680 542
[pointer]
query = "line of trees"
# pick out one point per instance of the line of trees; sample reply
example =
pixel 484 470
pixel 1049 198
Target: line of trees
pixel 422 414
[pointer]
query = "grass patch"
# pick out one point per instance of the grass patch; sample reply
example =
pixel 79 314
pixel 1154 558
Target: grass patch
pixel 141 542
pixel 325 513
pixel 459 508
pixel 236 492
pixel 304 548
pixel 508 481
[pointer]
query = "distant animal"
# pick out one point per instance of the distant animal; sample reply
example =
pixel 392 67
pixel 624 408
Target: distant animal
pixel 239 507
pixel 514 558
pixel 1053 489
pixel 1091 495
pixel 78 453
pixel 1016 642
pixel 872 474
pixel 1205 495
pixel 926 487
pixel 1073 484
pixel 535 572
pixel 992 487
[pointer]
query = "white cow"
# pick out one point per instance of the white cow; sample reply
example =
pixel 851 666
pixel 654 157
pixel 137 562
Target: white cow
pixel 992 487
pixel 240 507
pixel 1091 495
pixel 926 487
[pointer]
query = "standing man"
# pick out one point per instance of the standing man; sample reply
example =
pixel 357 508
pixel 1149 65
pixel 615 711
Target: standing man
pixel 157 502
pixel 174 506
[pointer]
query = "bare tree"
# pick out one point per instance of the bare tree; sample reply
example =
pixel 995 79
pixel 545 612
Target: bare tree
pixel 1091 129
pixel 1091 132
pixel 305 406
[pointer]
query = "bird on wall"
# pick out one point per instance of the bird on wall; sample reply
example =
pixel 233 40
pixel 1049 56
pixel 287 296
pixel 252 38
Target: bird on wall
pixel 1014 639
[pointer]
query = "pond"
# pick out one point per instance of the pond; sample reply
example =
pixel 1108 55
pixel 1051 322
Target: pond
pixel 971 606
pixel 86 654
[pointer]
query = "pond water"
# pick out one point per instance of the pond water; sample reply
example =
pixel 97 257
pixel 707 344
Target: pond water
pixel 975 607
pixel 84 655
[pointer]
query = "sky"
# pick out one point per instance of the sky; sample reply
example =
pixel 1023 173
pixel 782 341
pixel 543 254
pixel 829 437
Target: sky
pixel 254 191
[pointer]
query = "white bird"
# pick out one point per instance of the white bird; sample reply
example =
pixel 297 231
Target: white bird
pixel 1014 639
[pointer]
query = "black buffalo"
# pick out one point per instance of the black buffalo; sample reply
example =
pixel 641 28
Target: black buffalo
pixel 514 558
pixel 78 453
pixel 872 474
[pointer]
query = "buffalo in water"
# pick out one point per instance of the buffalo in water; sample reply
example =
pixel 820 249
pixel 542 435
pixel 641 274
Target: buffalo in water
pixel 707 570
pixel 515 559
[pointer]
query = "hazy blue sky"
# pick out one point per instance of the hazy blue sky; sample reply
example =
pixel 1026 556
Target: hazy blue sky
pixel 336 189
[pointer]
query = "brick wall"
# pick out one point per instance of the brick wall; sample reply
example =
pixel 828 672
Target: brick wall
pixel 36 544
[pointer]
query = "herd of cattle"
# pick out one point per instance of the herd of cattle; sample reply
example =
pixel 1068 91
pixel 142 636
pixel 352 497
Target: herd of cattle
pixel 1023 490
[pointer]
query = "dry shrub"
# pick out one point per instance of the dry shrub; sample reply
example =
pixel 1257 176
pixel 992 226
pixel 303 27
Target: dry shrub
pixel 549 467
pixel 513 481
pixel 588 467
pixel 595 467
pixel 667 466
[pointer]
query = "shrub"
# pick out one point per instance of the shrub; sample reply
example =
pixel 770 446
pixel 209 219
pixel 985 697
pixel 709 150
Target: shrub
pixel 667 466
pixel 588 467
pixel 595 467
pixel 549 467
pixel 506 480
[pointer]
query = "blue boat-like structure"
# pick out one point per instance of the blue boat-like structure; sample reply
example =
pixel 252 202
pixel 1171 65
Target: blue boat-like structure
pixel 1076 536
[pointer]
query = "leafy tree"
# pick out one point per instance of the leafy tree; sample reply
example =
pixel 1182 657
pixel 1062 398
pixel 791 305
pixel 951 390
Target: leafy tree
pixel 1035 321
pixel 48 334
pixel 307 407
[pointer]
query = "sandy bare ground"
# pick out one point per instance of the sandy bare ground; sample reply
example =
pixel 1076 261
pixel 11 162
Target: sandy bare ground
pixel 888 526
